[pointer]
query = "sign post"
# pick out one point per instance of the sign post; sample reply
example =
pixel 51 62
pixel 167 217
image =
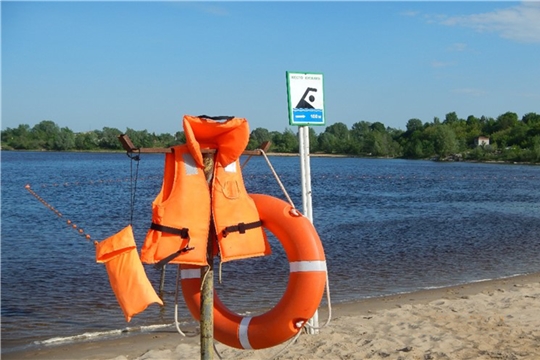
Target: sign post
pixel 305 98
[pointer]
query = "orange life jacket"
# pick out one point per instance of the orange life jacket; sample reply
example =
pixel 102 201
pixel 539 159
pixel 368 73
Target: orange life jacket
pixel 186 203
pixel 131 287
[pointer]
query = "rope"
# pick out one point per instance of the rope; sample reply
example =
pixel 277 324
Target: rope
pixel 75 227
pixel 329 308
pixel 307 325
pixel 100 181
pixel 288 345
pixel 205 276
pixel 219 272
pixel 176 322
pixel 277 178
pixel 216 351
pixel 327 281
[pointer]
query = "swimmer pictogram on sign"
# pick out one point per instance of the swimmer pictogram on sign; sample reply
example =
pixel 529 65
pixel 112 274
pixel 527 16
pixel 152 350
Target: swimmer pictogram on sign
pixel 303 104
pixel 305 98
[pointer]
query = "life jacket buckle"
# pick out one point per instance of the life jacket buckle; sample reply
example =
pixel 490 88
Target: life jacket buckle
pixel 186 249
pixel 242 228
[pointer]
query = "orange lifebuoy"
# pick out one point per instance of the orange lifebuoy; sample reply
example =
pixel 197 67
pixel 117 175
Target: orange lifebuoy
pixel 307 279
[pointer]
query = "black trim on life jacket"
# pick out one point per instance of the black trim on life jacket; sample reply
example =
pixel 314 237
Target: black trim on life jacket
pixel 241 228
pixel 183 232
pixel 216 117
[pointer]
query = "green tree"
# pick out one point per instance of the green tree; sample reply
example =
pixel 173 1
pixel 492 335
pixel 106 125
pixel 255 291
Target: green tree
pixel 378 126
pixel 382 144
pixel 19 138
pixel 180 137
pixel 506 121
pixel 165 140
pixel 518 135
pixel 108 139
pixel 286 142
pixel 45 133
pixel 444 140
pixel 450 118
pixel 339 130
pixel 341 137
pixel 257 137
pixel 64 140
pixel 414 125
pixel 531 119
pixel 290 141
pixel 327 143
pixel 86 141
pixel 488 125
pixel 139 138
pixel 413 147
pixel 359 135
pixel 473 121
pixel 535 148
pixel 313 143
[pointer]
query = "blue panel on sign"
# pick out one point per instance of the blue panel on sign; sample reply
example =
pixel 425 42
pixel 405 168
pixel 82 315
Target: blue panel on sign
pixel 312 116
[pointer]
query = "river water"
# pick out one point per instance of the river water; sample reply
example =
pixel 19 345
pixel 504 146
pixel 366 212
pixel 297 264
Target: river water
pixel 387 226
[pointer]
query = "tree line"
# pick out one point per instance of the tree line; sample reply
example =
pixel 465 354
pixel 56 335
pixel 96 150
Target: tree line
pixel 453 138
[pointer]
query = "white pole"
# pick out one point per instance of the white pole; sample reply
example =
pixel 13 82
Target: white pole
pixel 305 168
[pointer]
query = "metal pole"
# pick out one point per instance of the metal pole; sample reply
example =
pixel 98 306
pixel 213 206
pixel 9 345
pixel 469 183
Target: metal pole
pixel 305 169
pixel 207 276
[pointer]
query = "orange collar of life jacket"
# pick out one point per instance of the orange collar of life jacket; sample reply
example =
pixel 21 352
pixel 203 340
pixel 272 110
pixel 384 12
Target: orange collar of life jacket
pixel 230 138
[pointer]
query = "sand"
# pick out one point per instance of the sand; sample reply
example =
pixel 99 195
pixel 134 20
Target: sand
pixel 497 319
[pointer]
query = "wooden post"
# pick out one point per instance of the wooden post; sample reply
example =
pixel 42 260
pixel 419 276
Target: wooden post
pixel 207 276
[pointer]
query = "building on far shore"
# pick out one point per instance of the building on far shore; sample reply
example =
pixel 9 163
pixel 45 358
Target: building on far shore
pixel 481 141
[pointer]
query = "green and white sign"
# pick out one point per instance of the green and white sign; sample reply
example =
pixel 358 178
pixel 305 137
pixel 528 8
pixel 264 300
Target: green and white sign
pixel 305 98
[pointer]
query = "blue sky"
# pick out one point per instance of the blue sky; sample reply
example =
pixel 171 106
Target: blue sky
pixel 143 65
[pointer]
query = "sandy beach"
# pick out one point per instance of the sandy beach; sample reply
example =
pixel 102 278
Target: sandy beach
pixel 498 319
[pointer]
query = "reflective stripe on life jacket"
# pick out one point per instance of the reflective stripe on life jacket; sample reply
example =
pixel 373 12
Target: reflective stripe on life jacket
pixel 184 202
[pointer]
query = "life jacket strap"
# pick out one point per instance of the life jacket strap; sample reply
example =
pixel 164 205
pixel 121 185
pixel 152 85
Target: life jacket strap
pixel 183 232
pixel 241 228
pixel 161 263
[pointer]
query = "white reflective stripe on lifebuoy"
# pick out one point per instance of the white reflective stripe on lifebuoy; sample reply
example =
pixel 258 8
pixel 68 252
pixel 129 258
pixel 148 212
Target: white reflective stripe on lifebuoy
pixel 243 332
pixel 300 266
pixel 190 273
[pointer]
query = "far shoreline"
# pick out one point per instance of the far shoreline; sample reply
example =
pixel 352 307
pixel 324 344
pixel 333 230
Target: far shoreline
pixel 311 155
pixel 314 155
